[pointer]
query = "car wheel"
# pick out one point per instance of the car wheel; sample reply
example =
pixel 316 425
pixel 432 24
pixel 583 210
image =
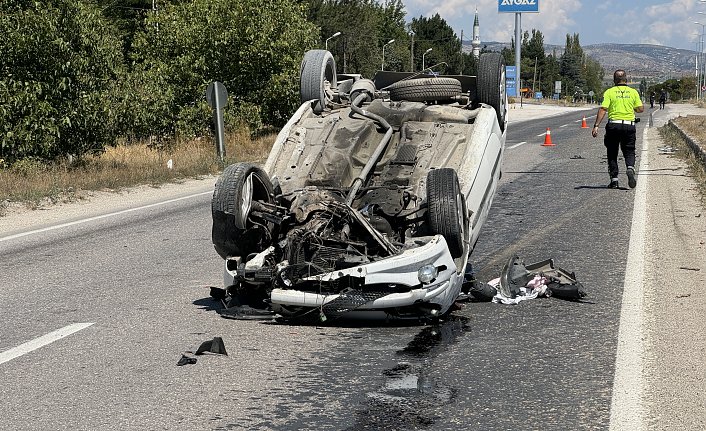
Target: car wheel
pixel 446 209
pixel 491 84
pixel 425 89
pixel 233 233
pixel 317 68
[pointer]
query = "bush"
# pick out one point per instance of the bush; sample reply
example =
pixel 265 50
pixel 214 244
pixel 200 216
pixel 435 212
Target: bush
pixel 254 48
pixel 60 73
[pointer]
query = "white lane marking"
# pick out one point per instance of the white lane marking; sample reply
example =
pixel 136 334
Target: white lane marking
pixel 42 341
pixel 516 145
pixel 89 219
pixel 542 134
pixel 627 411
pixel 564 125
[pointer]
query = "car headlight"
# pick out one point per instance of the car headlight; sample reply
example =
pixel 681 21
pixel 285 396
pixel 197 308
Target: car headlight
pixel 427 273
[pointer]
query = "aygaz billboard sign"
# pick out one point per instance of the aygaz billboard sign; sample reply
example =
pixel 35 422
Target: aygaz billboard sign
pixel 516 6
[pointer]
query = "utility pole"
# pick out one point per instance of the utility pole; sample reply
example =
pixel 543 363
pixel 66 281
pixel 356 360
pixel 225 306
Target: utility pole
pixel 461 71
pixel 518 42
pixel 534 78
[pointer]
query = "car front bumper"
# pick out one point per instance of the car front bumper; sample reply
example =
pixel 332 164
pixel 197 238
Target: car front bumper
pixel 399 272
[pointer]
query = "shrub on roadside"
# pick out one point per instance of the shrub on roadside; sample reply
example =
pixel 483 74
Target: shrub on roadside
pixel 60 72
pixel 254 48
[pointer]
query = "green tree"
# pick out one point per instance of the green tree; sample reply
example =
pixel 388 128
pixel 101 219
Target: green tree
pixel 593 75
pixel 572 62
pixel 392 26
pixel 255 48
pixel 437 34
pixel 532 53
pixel 550 73
pixel 358 48
pixel 60 73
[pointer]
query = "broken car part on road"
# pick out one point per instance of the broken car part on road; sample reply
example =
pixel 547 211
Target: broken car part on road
pixel 519 282
pixel 371 199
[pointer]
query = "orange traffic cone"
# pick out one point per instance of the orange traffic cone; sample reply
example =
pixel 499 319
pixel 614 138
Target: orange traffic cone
pixel 548 139
pixel 583 123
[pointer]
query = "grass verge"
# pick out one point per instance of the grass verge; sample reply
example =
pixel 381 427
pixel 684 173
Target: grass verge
pixel 36 184
pixel 695 127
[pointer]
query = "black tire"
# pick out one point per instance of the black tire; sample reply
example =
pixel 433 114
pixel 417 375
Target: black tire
pixel 318 66
pixel 425 89
pixel 232 233
pixel 491 84
pixel 446 209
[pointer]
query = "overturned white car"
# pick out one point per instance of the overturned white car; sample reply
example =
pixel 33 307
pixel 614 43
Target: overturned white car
pixel 371 199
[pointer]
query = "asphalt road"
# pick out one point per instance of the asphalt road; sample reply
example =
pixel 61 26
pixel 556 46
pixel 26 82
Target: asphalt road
pixel 137 281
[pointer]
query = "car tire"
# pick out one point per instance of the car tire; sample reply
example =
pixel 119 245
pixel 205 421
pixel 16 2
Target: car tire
pixel 425 89
pixel 318 67
pixel 491 84
pixel 232 233
pixel 446 209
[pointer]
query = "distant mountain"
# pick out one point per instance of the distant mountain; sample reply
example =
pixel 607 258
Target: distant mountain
pixel 653 62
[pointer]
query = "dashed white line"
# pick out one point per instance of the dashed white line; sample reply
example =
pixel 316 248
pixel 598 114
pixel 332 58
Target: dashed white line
pixel 627 411
pixel 563 125
pixel 542 134
pixel 89 219
pixel 42 341
pixel 516 145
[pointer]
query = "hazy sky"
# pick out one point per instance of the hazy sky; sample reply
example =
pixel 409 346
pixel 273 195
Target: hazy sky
pixel 659 22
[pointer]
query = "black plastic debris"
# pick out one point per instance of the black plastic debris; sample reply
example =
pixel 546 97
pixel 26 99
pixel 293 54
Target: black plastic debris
pixel 519 281
pixel 217 293
pixel 212 346
pixel 483 291
pixel 186 360
pixel 246 312
pixel 560 283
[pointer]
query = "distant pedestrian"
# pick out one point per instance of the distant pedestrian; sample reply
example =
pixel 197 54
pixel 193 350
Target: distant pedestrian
pixel 662 99
pixel 621 103
pixel 652 100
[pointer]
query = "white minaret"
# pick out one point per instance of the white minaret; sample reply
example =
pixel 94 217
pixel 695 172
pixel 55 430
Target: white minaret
pixel 476 37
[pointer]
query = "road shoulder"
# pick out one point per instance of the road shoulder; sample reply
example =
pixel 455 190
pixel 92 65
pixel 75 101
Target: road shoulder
pixel 20 218
pixel 675 300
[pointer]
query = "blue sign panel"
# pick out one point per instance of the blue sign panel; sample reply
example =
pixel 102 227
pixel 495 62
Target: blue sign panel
pixel 510 81
pixel 511 72
pixel 518 6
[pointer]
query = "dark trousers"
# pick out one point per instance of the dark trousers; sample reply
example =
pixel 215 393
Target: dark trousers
pixel 619 136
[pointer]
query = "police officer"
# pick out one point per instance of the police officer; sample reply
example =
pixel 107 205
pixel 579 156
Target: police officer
pixel 662 99
pixel 621 103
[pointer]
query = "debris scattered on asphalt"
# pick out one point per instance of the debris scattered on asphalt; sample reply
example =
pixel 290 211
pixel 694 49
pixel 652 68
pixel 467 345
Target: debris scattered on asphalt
pixel 519 282
pixel 667 150
pixel 246 312
pixel 217 293
pixel 686 295
pixel 212 346
pixel 689 269
pixel 576 157
pixel 186 360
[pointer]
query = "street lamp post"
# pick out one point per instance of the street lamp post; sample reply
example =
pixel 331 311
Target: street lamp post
pixel 383 53
pixel 700 77
pixel 700 74
pixel 411 57
pixel 697 64
pixel 424 55
pixel 338 33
